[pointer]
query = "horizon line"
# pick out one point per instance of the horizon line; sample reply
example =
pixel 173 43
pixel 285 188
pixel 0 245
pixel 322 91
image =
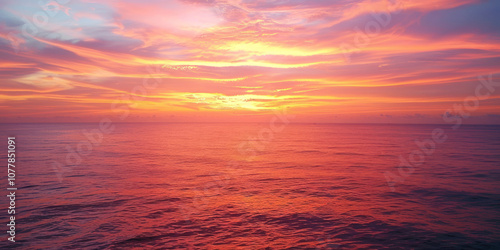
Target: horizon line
pixel 314 123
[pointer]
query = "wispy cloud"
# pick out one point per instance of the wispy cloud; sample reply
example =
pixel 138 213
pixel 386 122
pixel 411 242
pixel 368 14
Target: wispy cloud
pixel 247 57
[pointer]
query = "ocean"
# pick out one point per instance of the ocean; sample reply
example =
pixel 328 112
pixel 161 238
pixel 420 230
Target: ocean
pixel 252 186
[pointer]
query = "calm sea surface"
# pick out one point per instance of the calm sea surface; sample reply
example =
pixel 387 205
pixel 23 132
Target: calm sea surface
pixel 244 186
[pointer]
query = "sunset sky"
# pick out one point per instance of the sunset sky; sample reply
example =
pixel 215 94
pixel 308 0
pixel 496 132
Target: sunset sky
pixel 238 60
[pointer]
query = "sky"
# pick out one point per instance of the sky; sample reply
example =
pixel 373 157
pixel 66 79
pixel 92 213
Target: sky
pixel 368 61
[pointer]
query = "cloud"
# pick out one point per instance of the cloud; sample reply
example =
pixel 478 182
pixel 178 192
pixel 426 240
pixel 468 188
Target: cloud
pixel 477 19
pixel 407 58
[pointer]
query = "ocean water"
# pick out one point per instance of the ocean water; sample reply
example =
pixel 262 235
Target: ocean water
pixel 247 186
